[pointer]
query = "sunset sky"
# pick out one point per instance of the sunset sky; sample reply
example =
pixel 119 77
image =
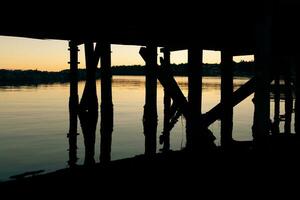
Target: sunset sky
pixel 53 55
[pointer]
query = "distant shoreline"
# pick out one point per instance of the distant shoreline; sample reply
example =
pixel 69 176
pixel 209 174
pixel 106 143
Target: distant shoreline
pixel 35 77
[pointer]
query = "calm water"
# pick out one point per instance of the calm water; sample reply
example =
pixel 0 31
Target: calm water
pixel 34 123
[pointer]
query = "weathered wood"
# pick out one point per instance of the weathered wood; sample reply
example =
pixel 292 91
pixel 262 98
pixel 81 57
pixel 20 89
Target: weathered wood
pixel 165 137
pixel 193 123
pixel 263 60
pixel 226 98
pixel 106 128
pixel 149 54
pixel 73 103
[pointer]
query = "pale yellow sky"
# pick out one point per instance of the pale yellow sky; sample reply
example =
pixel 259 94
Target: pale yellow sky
pixel 53 55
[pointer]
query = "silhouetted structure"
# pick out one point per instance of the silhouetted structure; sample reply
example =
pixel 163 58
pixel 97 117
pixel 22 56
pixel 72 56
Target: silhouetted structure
pixel 106 104
pixel 165 137
pixel 88 108
pixel 73 104
pixel 297 103
pixel 194 126
pixel 268 28
pixel 149 54
pixel 226 98
pixel 276 92
pixel 263 60
pixel 288 97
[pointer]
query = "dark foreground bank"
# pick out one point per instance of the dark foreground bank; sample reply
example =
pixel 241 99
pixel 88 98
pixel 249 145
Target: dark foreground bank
pixel 244 169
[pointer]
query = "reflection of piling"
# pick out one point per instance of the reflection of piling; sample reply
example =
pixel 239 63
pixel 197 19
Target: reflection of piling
pixel 167 106
pixel 193 122
pixel 149 54
pixel 226 98
pixel 73 103
pixel 88 114
pixel 106 104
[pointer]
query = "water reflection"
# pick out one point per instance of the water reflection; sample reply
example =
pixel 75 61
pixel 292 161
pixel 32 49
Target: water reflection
pixel 88 116
pixel 106 132
pixel 72 135
pixel 42 118
pixel 209 83
pixel 88 121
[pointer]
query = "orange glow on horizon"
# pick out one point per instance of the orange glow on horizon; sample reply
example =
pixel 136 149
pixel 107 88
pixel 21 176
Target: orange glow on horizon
pixel 53 55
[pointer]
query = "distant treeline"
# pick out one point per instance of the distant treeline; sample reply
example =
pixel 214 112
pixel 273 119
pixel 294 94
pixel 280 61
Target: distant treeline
pixel 34 77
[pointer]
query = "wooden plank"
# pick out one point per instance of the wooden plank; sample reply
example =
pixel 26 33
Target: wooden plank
pixel 166 79
pixel 239 95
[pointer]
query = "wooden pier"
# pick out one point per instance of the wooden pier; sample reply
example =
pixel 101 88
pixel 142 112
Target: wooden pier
pixel 269 31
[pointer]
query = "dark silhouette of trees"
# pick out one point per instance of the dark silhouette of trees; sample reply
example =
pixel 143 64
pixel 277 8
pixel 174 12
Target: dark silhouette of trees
pixel 35 77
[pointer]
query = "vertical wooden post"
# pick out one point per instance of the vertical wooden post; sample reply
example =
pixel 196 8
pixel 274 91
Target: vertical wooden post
pixel 276 122
pixel 263 58
pixel 150 108
pixel 167 106
pixel 297 91
pixel 288 97
pixel 88 112
pixel 89 98
pixel 73 103
pixel 226 98
pixel 106 128
pixel 193 122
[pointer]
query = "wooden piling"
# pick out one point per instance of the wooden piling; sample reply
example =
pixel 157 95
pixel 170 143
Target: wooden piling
pixel 88 112
pixel 106 126
pixel 263 58
pixel 150 109
pixel 288 100
pixel 167 106
pixel 226 98
pixel 297 91
pixel 73 103
pixel 89 100
pixel 276 91
pixel 193 123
